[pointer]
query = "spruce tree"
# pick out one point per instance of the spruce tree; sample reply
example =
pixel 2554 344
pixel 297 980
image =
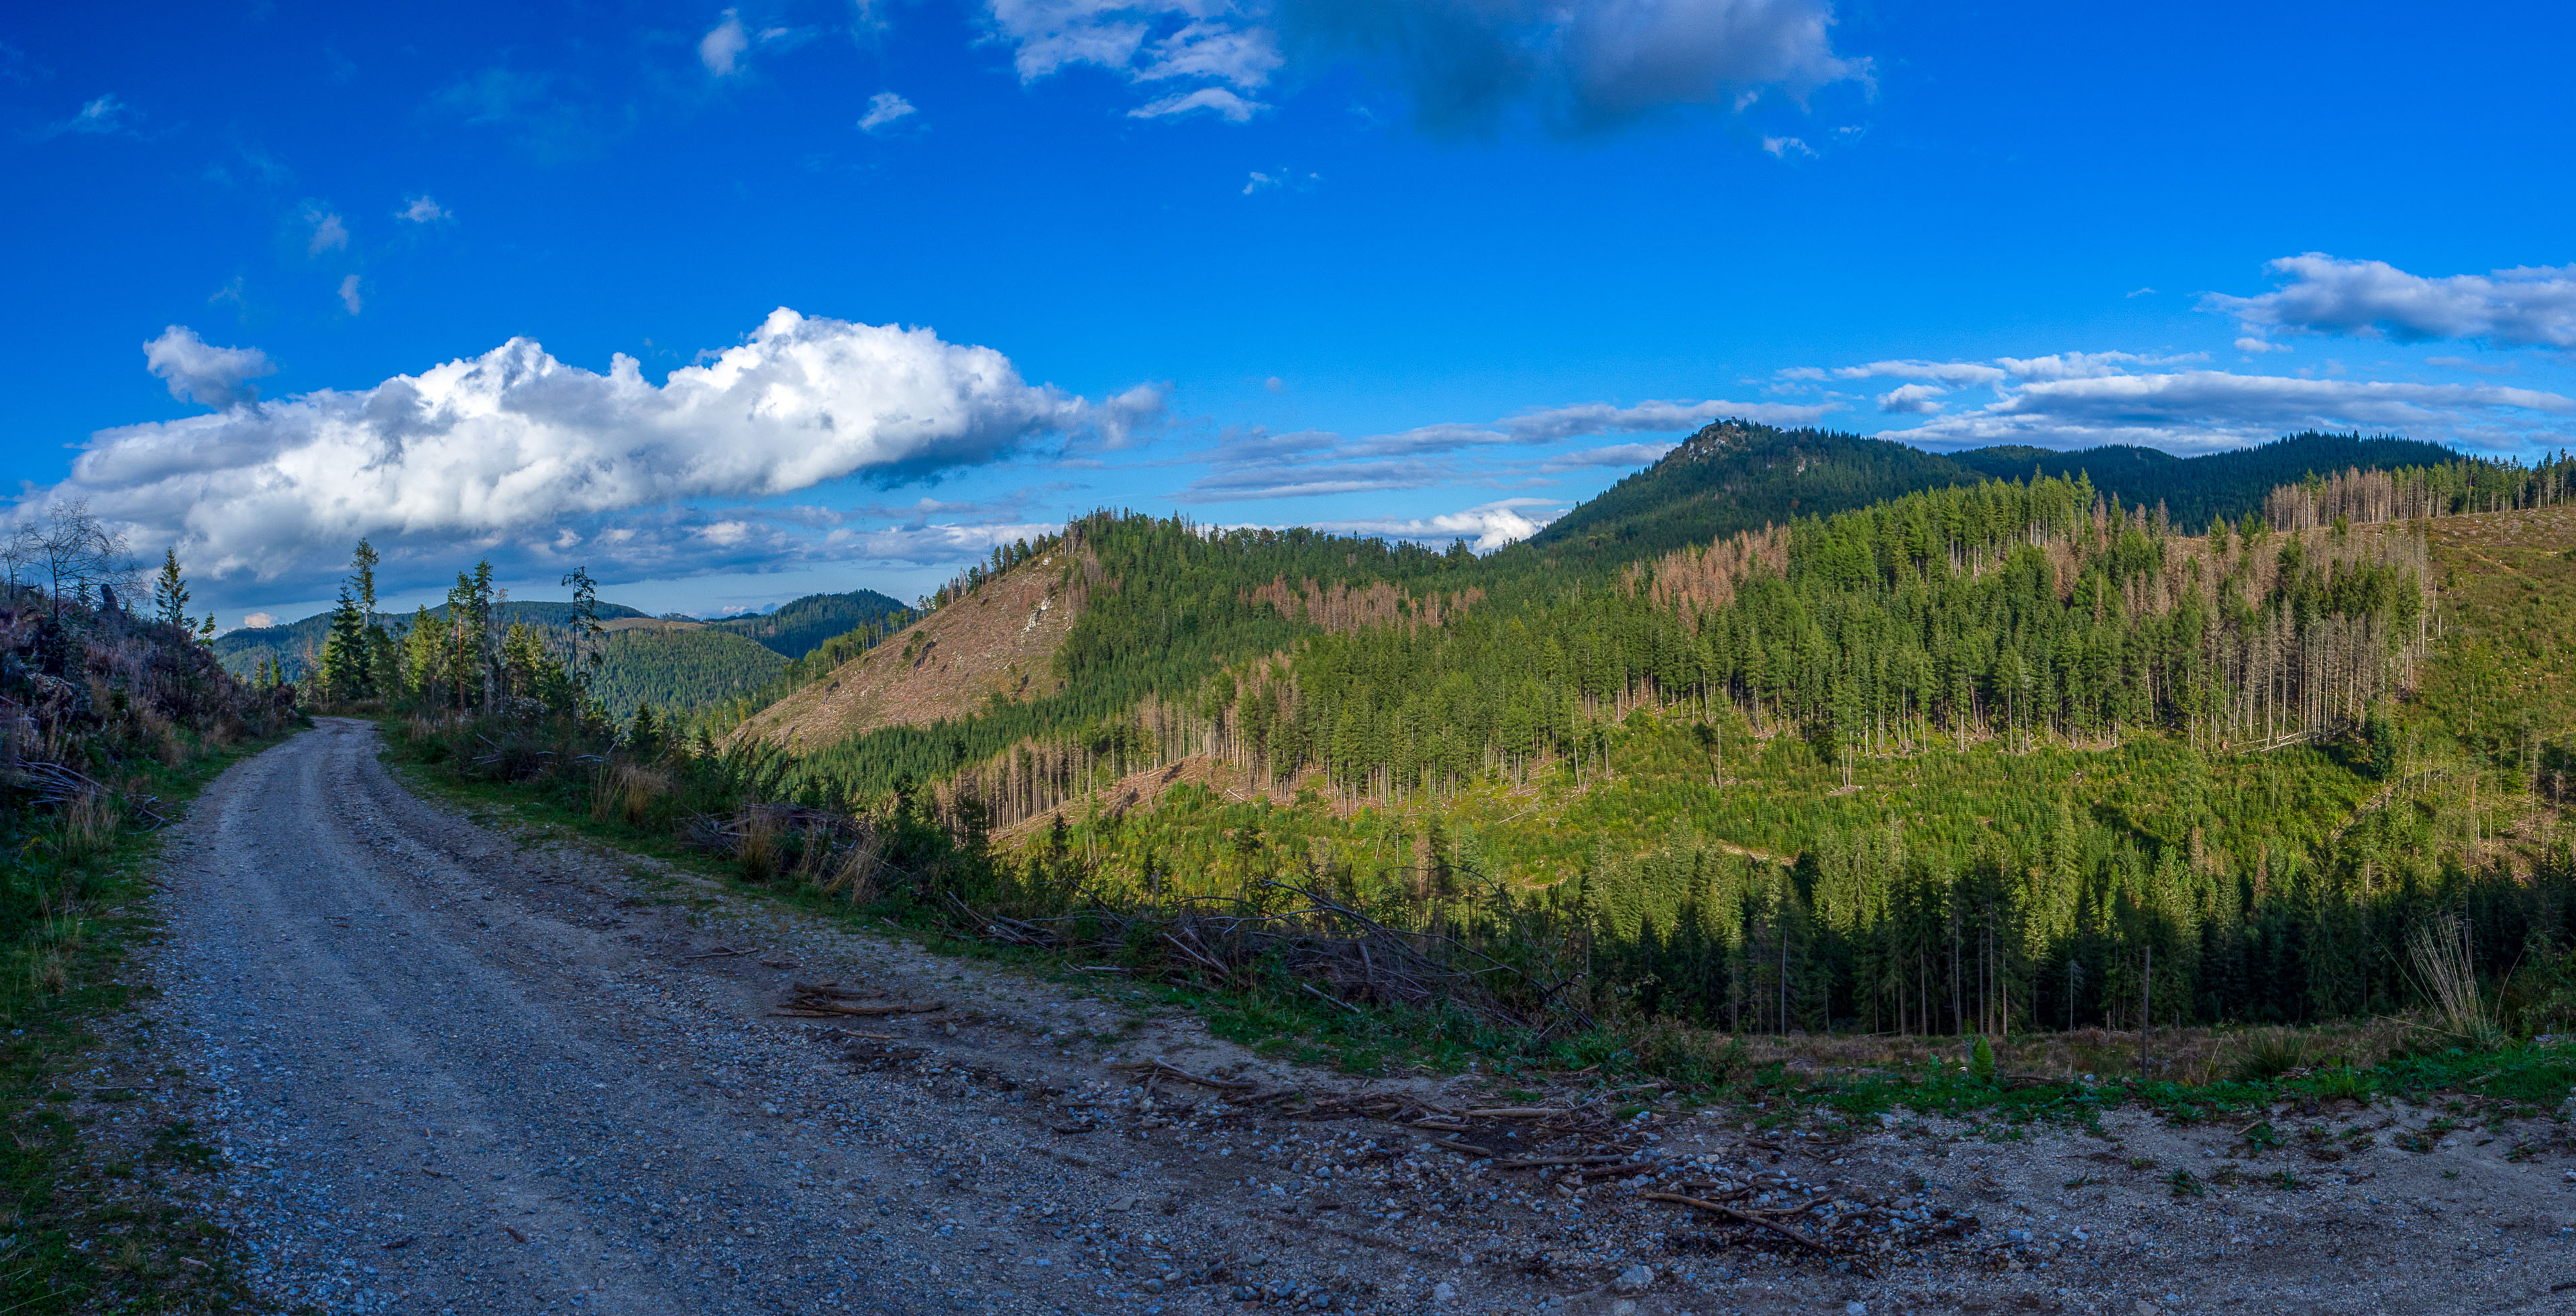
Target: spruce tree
pixel 344 651
pixel 170 592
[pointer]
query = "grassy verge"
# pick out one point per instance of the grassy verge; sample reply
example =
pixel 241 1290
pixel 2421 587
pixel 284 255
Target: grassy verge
pixel 1771 1081
pixel 96 1220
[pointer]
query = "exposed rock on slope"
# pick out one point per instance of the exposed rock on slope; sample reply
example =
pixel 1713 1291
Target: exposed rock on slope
pixel 999 641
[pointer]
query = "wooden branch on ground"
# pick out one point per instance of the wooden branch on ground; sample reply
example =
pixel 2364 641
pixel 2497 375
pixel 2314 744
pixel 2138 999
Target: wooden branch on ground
pixel 1760 1222
pixel 1161 1069
pixel 821 1007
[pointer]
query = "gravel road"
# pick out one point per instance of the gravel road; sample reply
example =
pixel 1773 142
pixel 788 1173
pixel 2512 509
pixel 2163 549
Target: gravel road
pixel 451 1067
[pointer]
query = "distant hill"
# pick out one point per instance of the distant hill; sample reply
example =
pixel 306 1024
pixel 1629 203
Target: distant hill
pixel 297 646
pixel 799 628
pixel 1736 476
pixel 2195 489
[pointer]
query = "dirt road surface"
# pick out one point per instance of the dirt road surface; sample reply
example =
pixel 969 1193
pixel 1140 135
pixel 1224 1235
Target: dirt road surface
pixel 449 1068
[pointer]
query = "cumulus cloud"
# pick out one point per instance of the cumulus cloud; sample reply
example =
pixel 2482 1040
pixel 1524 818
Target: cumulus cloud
pixel 198 371
pixel 2529 306
pixel 422 210
pixel 720 50
pixel 1573 64
pixel 1918 399
pixel 884 108
pixel 259 620
pixel 1486 527
pixel 518 454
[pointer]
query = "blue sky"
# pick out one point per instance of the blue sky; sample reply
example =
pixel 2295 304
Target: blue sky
pixel 282 274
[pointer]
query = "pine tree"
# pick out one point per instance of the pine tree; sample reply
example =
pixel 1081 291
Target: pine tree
pixel 344 652
pixel 170 592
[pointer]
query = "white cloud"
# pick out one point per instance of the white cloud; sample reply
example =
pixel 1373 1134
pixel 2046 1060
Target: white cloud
pixel 1281 178
pixel 2207 409
pixel 329 233
pixel 2139 292
pixel 2258 346
pixel 2087 365
pixel 2530 306
pixel 422 210
pixel 1917 399
pixel 2086 399
pixel 1648 417
pixel 721 48
pixel 259 620
pixel 1486 527
pixel 1255 463
pixel 1215 100
pixel 1143 40
pixel 1574 64
pixel 884 108
pixel 1781 148
pixel 1938 372
pixel 198 371
pixel 349 294
pixel 1996 374
pixel 502 452
pixel 99 118
pixel 1617 454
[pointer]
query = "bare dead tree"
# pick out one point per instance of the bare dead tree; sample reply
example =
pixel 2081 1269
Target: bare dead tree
pixel 79 553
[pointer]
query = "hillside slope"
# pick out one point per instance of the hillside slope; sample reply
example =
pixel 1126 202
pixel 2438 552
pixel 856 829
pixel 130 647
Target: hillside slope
pixel 678 667
pixel 998 643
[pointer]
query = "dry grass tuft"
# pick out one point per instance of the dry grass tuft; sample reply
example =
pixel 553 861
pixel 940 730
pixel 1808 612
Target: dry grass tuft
pixel 2438 950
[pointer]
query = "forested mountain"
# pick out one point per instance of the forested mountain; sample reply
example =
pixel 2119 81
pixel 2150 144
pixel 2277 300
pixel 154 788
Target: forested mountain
pixel 800 627
pixel 1942 761
pixel 1734 476
pixel 2194 490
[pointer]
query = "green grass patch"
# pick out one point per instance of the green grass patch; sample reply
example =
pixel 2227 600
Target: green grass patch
pixel 78 1237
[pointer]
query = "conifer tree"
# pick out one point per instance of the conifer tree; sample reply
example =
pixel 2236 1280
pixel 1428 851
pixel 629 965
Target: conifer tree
pixel 344 651
pixel 170 593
